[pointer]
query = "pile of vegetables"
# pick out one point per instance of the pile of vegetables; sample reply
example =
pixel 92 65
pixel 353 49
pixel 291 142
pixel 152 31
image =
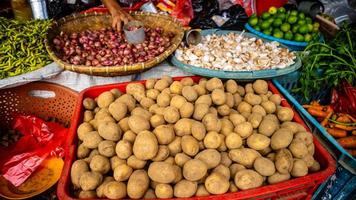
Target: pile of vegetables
pixel 327 64
pixel 289 25
pixel 22 46
pixel 169 138
pixel 107 47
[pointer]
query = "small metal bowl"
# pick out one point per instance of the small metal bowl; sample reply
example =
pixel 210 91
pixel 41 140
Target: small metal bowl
pixel 134 36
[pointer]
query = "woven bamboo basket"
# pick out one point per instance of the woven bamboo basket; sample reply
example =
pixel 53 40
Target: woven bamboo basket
pixel 95 21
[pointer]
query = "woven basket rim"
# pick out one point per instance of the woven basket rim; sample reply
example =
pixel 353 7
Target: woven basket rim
pixel 107 70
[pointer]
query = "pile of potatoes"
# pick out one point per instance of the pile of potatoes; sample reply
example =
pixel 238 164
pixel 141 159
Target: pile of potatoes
pixel 172 138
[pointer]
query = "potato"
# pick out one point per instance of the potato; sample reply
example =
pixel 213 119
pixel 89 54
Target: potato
pixel 157 120
pixel 309 160
pixel 164 133
pixel 305 137
pixel 83 129
pixel 162 154
pixel 90 180
pixel 211 122
pixel 164 191
pixel 175 146
pixel 137 184
pixel 210 157
pixel 141 112
pixel 244 156
pixel 92 139
pixel 183 127
pixel 231 86
pixel 109 131
pixel 226 126
pixel 178 173
pixel 161 172
pixel 249 88
pixel 264 97
pixel 281 139
pixel 129 100
pixel 299 169
pixel 244 129
pixel 87 194
pixel 189 93
pixel 234 168
pixel 118 110
pixel 259 110
pixel 93 153
pixel 88 116
pixel 260 87
pixel 150 194
pixel 150 83
pixel 216 183
pixel 276 99
pixel 124 124
pixel 177 101
pixel 187 81
pixel 298 149
pixel 202 82
pixel 105 99
pixel 146 102
pixel 135 163
pixel 248 179
pixel 161 85
pixel 138 123
pixel 123 149
pixel 185 189
pixel 155 109
pixel 115 190
pixel 89 103
pixel 214 83
pixel 103 112
pixel 199 89
pixel 255 119
pixel 267 127
pixel 218 97
pixel 205 99
pixel 225 160
pixel 186 110
pixel 252 99
pixel 176 87
pixel 269 107
pixel 212 140
pixel 264 166
pixel 163 99
pixel 189 145
pixel 223 170
pixel 201 191
pixel 129 136
pixel 171 114
pixel 258 141
pixel 278 177
pixel 166 90
pixel 285 114
pixel 106 148
pixel 82 151
pixel 244 107
pixel 223 110
pixel 194 169
pixel 198 130
pixel 116 161
pixel 311 149
pixel 292 126
pixel 94 124
pixel 271 156
pixel 230 101
pixel 237 99
pixel 284 161
pixel 122 172
pixel 168 79
pixel 100 164
pixel 145 146
pixel 78 168
pixel 137 90
pixel 236 119
pixel 315 167
pixel 233 141
pixel 200 110
pixel 246 115
pixel 152 93
pixel 181 158
pixel 265 151
pixel 222 146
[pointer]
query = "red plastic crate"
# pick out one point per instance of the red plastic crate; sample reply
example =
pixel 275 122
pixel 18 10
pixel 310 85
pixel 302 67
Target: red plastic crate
pixel 297 188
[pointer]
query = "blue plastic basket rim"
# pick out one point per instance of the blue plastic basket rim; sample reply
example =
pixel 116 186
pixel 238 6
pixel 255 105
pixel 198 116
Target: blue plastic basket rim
pixel 287 42
pixel 242 75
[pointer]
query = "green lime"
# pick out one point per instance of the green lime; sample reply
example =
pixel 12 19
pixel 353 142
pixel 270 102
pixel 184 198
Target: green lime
pixel 309 20
pixel 316 24
pixel 276 30
pixel 265 25
pixel 288 35
pixel 295 28
pixel 265 15
pixel 298 37
pixel 267 32
pixel 292 19
pixel 253 21
pixel 285 27
pixel 315 29
pixel 277 22
pixel 281 16
pixel 303 29
pixel 308 37
pixel 270 20
pixel 272 10
pixel 293 13
pixel 301 15
pixel 278 34
pixel 257 28
pixel 301 22
pixel 281 10
pixel 310 28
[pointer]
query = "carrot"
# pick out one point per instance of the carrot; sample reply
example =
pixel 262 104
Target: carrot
pixel 315 103
pixel 317 113
pixel 352 151
pixel 326 119
pixel 313 107
pixel 354 132
pixel 348 142
pixel 343 118
pixel 335 132
pixel 344 127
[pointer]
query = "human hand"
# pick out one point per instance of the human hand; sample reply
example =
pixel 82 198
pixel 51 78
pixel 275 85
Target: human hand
pixel 120 18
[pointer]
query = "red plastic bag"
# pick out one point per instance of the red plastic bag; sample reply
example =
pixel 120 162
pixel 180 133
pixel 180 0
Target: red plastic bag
pixel 343 100
pixel 40 140
pixel 183 11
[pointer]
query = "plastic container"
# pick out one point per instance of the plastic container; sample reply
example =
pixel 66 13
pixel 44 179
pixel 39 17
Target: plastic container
pixel 295 46
pixel 298 188
pixel 137 35
pixel 342 156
